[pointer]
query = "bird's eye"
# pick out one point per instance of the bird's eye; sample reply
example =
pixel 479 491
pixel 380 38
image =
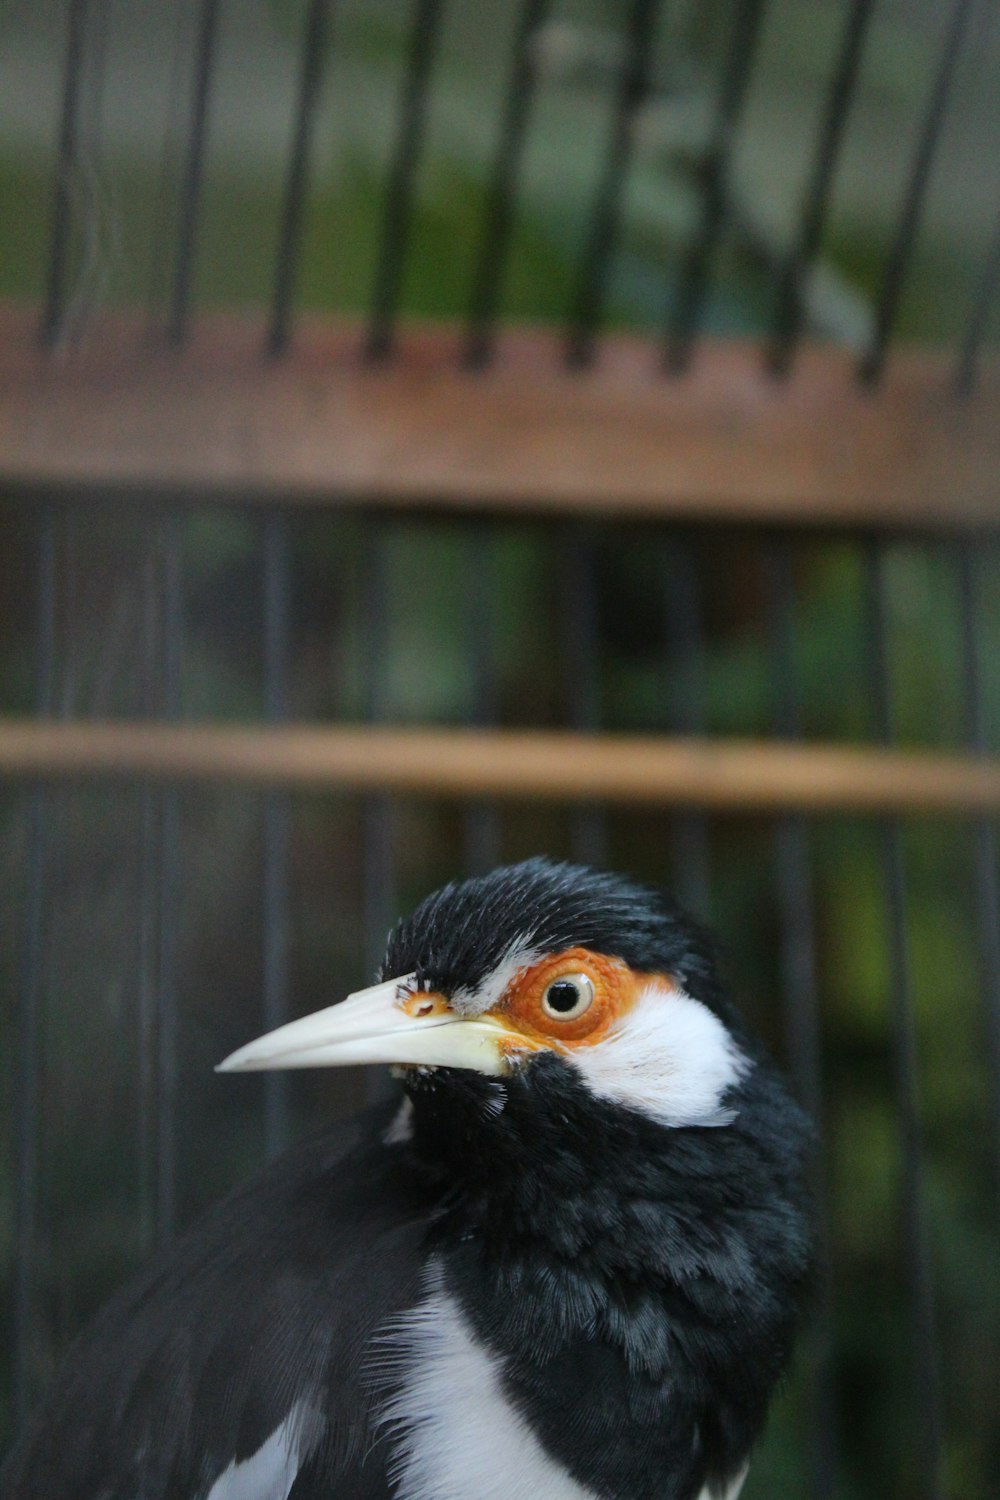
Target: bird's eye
pixel 568 996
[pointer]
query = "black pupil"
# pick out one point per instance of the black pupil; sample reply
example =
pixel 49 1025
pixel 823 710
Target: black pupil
pixel 563 995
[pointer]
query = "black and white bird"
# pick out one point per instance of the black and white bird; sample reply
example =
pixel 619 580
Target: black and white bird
pixel 567 1264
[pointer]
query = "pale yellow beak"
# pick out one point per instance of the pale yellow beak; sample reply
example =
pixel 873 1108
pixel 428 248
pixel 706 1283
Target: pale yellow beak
pixel 379 1025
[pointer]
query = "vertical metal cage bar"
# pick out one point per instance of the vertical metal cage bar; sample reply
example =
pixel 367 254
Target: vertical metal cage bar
pixel 789 304
pixel 481 824
pixel 591 289
pixel 379 893
pixel 904 240
pixel 986 855
pixel 692 287
pixel 915 1247
pixel 53 319
pixel 581 659
pixel 797 905
pixel 290 232
pixel 400 188
pixel 379 876
pixel 800 987
pixel 487 279
pixel 277 617
pixel 168 882
pixel 983 298
pixel 194 167
pixel 148 925
pixel 686 696
pixel 27 1098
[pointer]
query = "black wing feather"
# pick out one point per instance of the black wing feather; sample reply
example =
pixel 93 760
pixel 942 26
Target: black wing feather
pixel 273 1298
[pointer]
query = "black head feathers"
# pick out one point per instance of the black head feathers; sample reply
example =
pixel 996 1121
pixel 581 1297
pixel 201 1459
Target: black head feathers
pixel 458 935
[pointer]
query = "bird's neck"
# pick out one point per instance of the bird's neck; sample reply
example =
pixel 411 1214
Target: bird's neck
pixel 542 1163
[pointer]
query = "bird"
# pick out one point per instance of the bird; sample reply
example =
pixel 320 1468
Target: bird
pixel 567 1261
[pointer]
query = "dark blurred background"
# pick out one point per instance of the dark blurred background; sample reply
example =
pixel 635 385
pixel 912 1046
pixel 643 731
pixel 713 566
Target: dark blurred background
pixel 146 930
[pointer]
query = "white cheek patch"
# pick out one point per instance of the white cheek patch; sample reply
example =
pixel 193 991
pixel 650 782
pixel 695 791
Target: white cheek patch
pixel 473 1002
pixel 670 1057
pixel 454 1433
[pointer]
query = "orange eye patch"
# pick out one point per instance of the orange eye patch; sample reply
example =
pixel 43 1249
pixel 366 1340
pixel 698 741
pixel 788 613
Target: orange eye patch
pixel 573 997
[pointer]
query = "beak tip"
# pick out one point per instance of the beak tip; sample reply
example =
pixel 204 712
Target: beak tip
pixel 231 1064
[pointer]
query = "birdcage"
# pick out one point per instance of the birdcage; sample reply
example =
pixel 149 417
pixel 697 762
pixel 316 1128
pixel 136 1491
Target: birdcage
pixel 430 437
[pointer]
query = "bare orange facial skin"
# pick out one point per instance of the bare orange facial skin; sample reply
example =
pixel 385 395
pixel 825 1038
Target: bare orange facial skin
pixel 616 988
pixel 424 1003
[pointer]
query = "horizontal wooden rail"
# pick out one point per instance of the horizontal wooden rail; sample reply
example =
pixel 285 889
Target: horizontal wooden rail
pixel 218 420
pixel 742 775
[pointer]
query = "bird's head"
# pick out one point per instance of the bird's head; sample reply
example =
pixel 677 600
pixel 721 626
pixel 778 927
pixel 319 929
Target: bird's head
pixel 591 972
